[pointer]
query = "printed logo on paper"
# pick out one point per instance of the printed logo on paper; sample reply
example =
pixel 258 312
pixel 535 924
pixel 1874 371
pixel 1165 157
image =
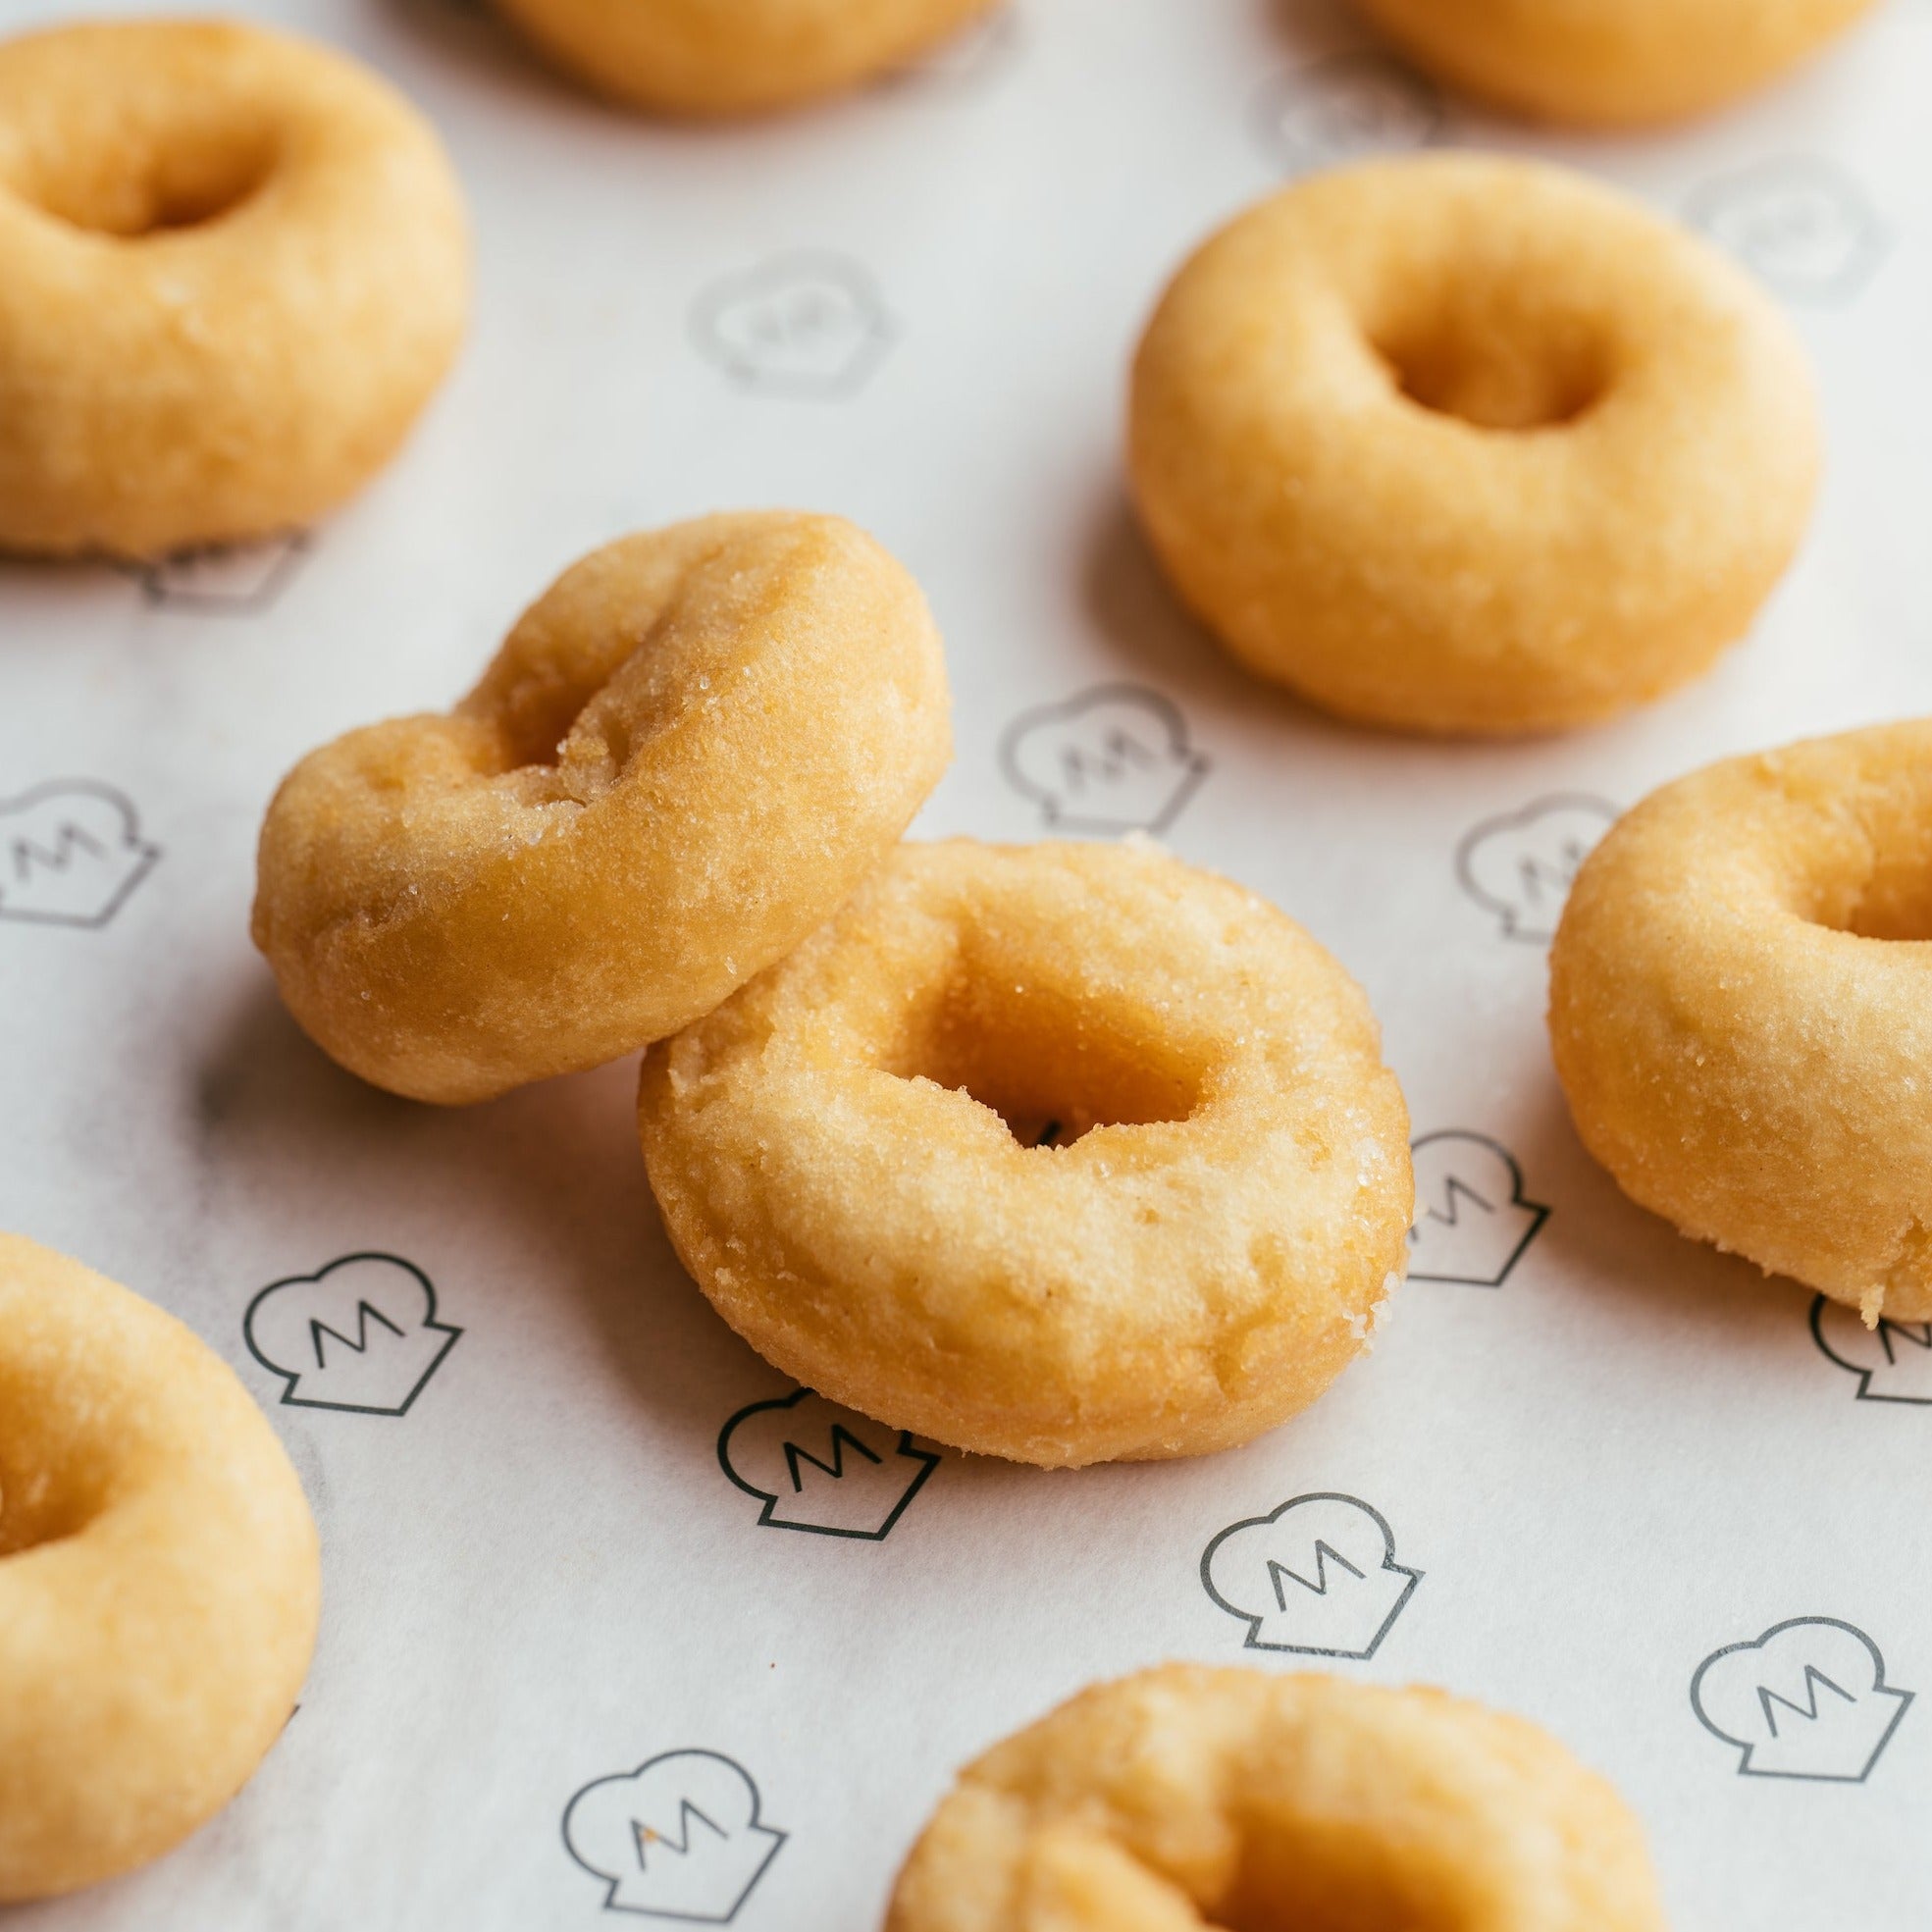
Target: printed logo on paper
pixel 822 1468
pixel 1520 865
pixel 806 324
pixel 678 1837
pixel 1317 1577
pixel 1800 224
pixel 228 579
pixel 1806 1699
pixel 1892 1361
pixel 70 852
pixel 360 1335
pixel 1348 108
pixel 1473 1219
pixel 1115 758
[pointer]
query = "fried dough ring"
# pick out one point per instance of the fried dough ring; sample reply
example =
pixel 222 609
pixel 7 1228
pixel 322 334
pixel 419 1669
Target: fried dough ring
pixel 158 1579
pixel 1453 444
pixel 717 57
pixel 234 267
pixel 1182 1798
pixel 686 755
pixel 1064 1153
pixel 1612 63
pixel 1741 1010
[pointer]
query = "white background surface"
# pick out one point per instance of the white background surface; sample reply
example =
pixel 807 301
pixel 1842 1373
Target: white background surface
pixel 1628 1456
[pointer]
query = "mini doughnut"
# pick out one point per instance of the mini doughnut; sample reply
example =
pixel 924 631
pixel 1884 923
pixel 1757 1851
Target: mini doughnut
pixel 1741 1009
pixel 1612 63
pixel 1454 444
pixel 1181 1798
pixel 689 751
pixel 707 57
pixel 1064 1153
pixel 232 270
pixel 158 1579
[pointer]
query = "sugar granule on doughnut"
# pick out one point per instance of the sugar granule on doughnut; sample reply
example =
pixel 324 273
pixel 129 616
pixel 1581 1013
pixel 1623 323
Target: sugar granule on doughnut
pixel 1182 1798
pixel 717 57
pixel 686 755
pixel 1612 63
pixel 158 1579
pixel 1063 1153
pixel 1741 1010
pixel 1455 443
pixel 234 267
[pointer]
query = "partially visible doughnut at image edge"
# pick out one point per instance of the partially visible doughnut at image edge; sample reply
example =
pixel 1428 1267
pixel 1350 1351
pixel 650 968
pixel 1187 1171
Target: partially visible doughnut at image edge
pixel 687 751
pixel 233 268
pixel 1741 1010
pixel 1466 444
pixel 1184 1798
pixel 1064 1153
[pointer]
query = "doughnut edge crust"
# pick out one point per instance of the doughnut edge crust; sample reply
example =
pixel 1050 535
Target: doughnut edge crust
pixel 1187 1273
pixel 158 1614
pixel 1740 1046
pixel 1184 1795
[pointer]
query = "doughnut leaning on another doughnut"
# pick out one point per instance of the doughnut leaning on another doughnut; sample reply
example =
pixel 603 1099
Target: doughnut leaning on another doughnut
pixel 234 267
pixel 1456 444
pixel 158 1579
pixel 1741 1010
pixel 1182 1798
pixel 717 57
pixel 689 751
pixel 1064 1153
pixel 1612 63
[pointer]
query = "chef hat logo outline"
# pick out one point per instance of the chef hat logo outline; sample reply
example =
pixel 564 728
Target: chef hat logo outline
pixel 1320 1569
pixel 1474 1222
pixel 679 1838
pixel 1113 758
pixel 1348 107
pixel 361 1332
pixel 225 580
pixel 1806 1699
pixel 849 1477
pixel 1520 866
pixel 77 858
pixel 1800 222
pixel 1892 1360
pixel 809 323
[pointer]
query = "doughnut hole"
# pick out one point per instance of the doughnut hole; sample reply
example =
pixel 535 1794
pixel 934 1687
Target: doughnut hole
pixel 1890 895
pixel 1299 1873
pixel 52 1481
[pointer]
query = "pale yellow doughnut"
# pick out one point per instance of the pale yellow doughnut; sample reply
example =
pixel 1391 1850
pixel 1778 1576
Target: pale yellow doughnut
pixel 1059 1152
pixel 158 1579
pixel 1612 63
pixel 1455 443
pixel 1183 1799
pixel 706 57
pixel 1741 1009
pixel 232 268
pixel 686 755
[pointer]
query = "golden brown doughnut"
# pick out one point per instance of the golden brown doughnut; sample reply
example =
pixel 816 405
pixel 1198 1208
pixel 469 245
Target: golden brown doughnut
pixel 709 57
pixel 232 268
pixel 687 753
pixel 158 1579
pixel 1741 1009
pixel 1064 1153
pixel 1612 63
pixel 1454 444
pixel 1184 1797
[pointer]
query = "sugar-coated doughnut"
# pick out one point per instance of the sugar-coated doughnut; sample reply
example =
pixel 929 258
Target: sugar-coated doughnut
pixel 158 1579
pixel 1612 63
pixel 686 755
pixel 707 57
pixel 1182 1798
pixel 1058 1152
pixel 1741 1009
pixel 233 266
pixel 1454 444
